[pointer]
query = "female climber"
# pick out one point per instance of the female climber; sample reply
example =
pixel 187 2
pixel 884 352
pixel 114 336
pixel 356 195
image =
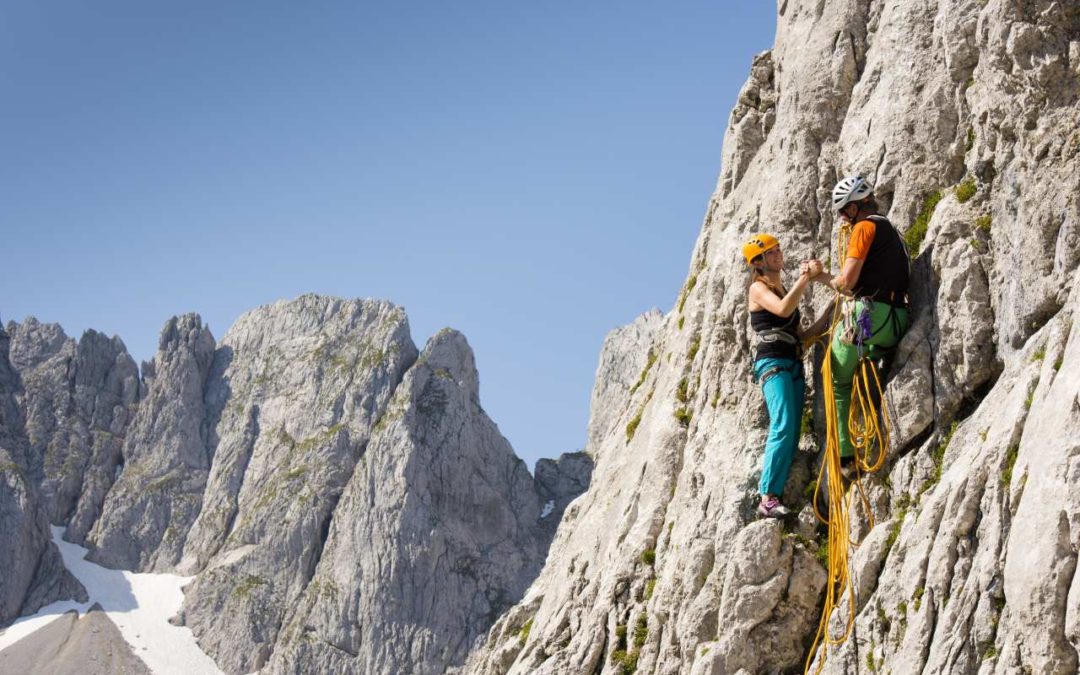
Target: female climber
pixel 775 318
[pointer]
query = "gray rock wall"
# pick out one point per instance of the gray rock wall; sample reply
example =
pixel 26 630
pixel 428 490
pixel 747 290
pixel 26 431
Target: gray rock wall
pixel 249 463
pixel 33 573
pixel 296 389
pixel 661 566
pixel 558 483
pixel 626 358
pixel 166 459
pixel 434 537
pixel 77 399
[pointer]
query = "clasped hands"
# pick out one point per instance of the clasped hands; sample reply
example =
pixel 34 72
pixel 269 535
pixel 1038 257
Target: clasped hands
pixel 811 268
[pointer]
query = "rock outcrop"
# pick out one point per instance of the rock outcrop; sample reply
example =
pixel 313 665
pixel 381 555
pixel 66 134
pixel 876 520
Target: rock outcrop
pixel 625 359
pixel 966 117
pixel 558 483
pixel 308 445
pixel 77 398
pixel 296 389
pixel 33 572
pixel 166 458
pixel 434 537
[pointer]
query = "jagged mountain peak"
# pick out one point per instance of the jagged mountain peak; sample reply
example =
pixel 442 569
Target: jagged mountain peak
pixel 254 463
pixel 33 341
pixel 449 352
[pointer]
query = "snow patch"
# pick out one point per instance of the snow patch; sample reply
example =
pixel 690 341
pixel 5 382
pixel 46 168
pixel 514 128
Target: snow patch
pixel 139 604
pixel 548 508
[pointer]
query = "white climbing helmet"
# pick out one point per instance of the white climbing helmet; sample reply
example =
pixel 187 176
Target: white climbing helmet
pixel 850 189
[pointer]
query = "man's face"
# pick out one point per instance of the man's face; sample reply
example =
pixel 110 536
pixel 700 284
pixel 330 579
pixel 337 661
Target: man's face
pixel 848 212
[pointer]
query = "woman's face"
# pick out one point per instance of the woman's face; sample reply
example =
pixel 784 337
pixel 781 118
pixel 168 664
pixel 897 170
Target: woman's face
pixel 774 258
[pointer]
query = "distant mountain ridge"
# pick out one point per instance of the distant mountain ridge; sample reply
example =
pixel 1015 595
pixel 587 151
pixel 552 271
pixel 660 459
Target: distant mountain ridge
pixel 241 462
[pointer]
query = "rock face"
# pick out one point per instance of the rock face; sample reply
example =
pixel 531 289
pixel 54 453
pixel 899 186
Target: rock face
pixel 33 572
pixel 558 483
pixel 625 360
pixel 436 534
pixel 295 390
pixel 77 399
pixel 166 458
pixel 969 107
pixel 310 471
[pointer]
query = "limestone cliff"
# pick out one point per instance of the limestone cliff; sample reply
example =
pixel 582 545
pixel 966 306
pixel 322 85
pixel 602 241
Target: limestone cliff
pixel 342 501
pixel 78 399
pixel 33 572
pixel 965 115
pixel 433 537
pixel 159 491
pixel 294 393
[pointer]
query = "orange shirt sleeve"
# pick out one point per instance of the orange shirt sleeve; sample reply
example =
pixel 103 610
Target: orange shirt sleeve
pixel 861 238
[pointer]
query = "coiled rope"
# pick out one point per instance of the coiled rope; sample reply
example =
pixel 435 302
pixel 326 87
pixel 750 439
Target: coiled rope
pixel 867 431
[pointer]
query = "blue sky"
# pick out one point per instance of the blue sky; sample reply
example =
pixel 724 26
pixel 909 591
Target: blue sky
pixel 531 174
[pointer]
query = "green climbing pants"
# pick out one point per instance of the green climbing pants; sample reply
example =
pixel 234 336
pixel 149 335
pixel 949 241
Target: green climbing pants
pixel 887 326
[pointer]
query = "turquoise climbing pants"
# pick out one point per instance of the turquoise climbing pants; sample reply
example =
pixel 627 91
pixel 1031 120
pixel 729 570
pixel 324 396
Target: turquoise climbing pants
pixel 887 326
pixel 783 385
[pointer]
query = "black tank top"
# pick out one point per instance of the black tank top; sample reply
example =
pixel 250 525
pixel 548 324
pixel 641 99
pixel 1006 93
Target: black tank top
pixel 762 320
pixel 884 276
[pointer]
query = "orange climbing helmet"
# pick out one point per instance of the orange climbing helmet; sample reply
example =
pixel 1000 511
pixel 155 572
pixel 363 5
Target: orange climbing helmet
pixel 758 244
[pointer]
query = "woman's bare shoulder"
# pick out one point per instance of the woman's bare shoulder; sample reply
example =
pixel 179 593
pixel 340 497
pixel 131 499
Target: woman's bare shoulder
pixel 754 293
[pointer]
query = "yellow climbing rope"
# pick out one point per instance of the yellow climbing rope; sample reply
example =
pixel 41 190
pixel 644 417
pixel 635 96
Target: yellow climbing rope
pixel 867 432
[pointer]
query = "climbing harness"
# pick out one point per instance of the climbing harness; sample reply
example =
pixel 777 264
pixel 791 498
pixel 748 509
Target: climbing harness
pixel 869 434
pixel 785 333
pixel 794 370
pixel 777 335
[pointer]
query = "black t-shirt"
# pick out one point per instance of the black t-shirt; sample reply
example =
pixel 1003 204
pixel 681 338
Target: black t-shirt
pixel 885 270
pixel 762 320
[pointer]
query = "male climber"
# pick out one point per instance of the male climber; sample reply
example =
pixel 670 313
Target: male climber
pixel 875 274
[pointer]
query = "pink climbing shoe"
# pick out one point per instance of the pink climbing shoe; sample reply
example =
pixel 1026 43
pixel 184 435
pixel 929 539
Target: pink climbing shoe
pixel 770 507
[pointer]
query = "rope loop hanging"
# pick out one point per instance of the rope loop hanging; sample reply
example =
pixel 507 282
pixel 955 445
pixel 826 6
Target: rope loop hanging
pixel 869 434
